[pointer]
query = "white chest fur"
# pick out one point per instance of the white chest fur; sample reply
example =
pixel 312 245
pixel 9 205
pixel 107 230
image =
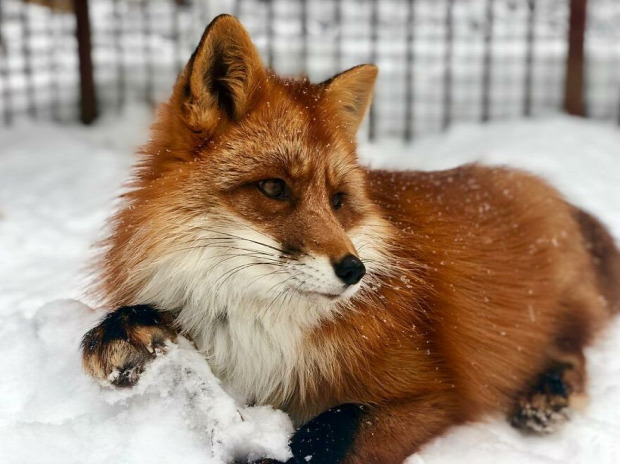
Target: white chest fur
pixel 260 360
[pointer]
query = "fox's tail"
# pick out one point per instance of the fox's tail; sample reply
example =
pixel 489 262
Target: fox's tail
pixel 605 256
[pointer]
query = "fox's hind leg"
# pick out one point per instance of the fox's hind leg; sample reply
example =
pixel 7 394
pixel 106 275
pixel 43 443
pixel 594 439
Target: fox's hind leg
pixel 589 299
pixel 118 349
pixel 548 402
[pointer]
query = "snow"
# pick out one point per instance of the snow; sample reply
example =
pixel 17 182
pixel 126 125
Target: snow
pixel 177 405
pixel 57 185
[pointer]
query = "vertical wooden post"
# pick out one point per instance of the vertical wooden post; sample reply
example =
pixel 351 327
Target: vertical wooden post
pixel 271 34
pixel 574 83
pixel 487 63
pixel 447 62
pixel 26 50
pixel 374 38
pixel 237 9
pixel 7 106
pixel 88 100
pixel 304 34
pixel 118 36
pixel 176 35
pixel 147 50
pixel 410 63
pixel 54 84
pixel 528 81
pixel 338 19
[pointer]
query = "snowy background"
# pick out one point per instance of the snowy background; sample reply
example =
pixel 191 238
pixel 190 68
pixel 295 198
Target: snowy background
pixel 57 186
pixel 58 183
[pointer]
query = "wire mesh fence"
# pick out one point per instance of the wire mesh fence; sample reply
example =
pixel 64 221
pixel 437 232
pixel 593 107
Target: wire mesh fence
pixel 441 61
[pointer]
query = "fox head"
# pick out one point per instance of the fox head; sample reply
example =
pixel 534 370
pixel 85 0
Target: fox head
pixel 249 190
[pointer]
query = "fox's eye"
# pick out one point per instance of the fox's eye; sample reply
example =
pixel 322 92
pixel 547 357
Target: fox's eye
pixel 337 200
pixel 274 188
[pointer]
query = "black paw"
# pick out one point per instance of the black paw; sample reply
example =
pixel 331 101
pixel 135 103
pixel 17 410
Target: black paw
pixel 545 407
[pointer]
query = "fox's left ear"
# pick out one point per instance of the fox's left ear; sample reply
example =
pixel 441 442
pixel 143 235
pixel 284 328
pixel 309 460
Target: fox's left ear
pixel 350 93
pixel 222 79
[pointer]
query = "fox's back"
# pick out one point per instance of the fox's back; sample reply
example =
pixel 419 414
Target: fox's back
pixel 509 268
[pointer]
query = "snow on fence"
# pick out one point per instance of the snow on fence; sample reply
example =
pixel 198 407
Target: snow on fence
pixel 440 61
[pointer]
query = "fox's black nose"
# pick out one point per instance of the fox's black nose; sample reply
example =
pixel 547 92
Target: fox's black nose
pixel 350 269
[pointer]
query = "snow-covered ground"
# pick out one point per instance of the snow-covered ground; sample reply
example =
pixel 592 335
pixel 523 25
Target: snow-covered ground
pixel 57 185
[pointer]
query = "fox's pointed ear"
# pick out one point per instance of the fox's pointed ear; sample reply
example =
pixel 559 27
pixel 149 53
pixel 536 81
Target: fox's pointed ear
pixel 222 79
pixel 350 93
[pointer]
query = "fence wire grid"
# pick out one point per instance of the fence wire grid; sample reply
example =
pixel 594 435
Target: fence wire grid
pixel 440 61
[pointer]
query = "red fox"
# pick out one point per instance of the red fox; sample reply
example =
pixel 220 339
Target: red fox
pixel 376 308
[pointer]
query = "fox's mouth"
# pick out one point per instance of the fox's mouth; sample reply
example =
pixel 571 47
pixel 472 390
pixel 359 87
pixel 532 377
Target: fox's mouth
pixel 347 293
pixel 329 296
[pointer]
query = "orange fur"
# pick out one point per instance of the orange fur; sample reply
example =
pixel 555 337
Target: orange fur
pixel 483 277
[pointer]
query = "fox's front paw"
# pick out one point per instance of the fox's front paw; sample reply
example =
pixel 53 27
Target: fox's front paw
pixel 118 349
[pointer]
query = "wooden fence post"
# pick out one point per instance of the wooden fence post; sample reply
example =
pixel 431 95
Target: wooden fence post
pixel 574 83
pixel 88 100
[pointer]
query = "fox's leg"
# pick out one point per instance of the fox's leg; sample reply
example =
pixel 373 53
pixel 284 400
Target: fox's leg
pixel 125 340
pixel 352 434
pixel 547 403
pixel 580 315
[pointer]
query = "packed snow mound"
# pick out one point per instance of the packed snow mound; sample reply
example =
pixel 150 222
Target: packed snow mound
pixel 57 185
pixel 177 412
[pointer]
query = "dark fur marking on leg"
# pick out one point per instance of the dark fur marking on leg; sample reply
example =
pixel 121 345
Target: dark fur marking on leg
pixel 545 405
pixel 125 340
pixel 116 324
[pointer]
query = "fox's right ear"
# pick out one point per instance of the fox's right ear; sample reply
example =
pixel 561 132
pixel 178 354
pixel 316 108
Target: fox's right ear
pixel 350 93
pixel 222 79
